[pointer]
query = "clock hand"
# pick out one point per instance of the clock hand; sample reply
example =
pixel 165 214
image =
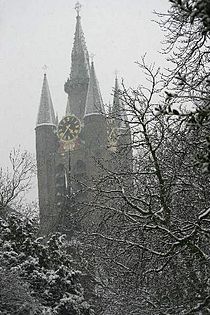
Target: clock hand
pixel 66 131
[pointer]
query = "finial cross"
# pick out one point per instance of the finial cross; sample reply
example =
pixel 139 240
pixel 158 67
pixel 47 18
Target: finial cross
pixel 45 68
pixel 78 7
pixel 92 57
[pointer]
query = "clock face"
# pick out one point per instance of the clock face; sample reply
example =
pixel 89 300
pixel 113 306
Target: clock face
pixel 69 128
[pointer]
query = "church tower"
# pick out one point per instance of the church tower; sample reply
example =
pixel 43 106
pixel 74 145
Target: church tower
pixel 68 151
pixel 121 125
pixel 46 147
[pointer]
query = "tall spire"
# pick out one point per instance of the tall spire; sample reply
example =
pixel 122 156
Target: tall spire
pixel 118 108
pixel 79 56
pixel 77 84
pixel 46 114
pixel 94 103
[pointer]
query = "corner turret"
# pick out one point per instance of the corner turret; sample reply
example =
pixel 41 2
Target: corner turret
pixel 122 134
pixel 94 119
pixel 118 112
pixel 46 114
pixel 46 147
pixel 94 104
pixel 95 127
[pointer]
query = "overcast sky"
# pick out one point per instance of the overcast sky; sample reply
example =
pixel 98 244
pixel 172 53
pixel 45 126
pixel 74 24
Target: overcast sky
pixel 38 32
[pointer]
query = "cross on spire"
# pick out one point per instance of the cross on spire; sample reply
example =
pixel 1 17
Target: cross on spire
pixel 45 68
pixel 78 7
pixel 92 57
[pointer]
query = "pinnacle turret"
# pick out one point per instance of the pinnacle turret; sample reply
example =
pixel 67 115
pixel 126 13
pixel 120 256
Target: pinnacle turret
pixel 46 115
pixel 94 103
pixel 118 108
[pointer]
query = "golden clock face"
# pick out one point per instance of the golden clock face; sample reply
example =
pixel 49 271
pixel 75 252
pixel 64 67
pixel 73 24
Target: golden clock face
pixel 69 128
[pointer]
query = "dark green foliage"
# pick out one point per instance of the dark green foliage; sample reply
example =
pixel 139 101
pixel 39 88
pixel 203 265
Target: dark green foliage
pixel 15 297
pixel 44 267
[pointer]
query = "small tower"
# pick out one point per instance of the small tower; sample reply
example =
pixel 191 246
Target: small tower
pixel 122 132
pixel 95 129
pixel 95 135
pixel 118 111
pixel 46 146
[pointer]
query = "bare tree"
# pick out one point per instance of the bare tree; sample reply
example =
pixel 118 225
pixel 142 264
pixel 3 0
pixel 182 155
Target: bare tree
pixel 150 250
pixel 16 180
pixel 187 46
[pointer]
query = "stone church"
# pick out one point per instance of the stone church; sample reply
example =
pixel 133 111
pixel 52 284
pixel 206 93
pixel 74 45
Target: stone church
pixel 74 152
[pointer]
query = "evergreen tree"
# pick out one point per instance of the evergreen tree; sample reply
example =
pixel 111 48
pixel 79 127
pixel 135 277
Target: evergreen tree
pixel 42 269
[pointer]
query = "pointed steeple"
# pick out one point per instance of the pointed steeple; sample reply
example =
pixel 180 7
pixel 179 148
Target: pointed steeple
pixel 77 84
pixel 94 103
pixel 79 56
pixel 46 114
pixel 118 108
